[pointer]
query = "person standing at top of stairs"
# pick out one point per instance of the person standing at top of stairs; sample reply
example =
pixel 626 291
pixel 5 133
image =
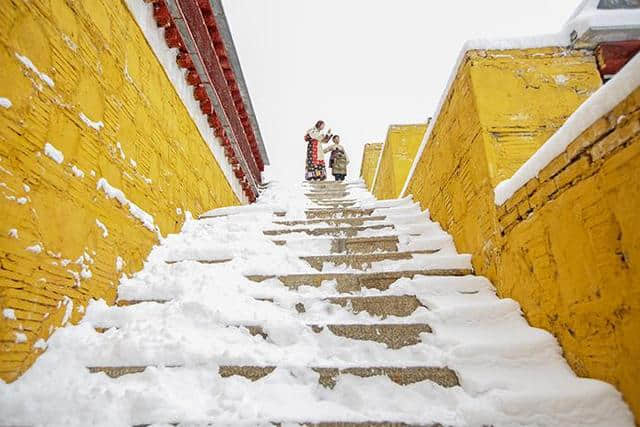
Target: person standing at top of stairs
pixel 314 167
pixel 339 159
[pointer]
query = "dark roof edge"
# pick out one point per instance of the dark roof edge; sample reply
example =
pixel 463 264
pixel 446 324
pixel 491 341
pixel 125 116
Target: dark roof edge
pixel 225 32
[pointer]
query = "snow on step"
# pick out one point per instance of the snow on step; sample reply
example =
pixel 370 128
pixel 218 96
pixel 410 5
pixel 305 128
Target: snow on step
pixel 264 337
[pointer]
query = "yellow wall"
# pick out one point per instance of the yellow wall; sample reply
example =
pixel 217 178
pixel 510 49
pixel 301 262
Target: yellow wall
pixel 370 156
pixel 571 250
pixel 398 152
pixel 523 96
pixel 100 66
pixel 566 246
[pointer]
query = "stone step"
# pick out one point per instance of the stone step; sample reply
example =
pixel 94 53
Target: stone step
pixel 125 303
pixel 328 201
pixel 310 424
pixel 326 194
pixel 351 221
pixel 334 204
pixel 394 335
pixel 381 305
pixel 361 261
pixel 328 376
pixel 325 184
pixel 314 213
pixel 357 245
pixel 384 305
pixel 329 231
pixel 201 261
pixel 353 282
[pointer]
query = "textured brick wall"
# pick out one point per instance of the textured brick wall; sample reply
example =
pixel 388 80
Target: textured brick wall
pixel 89 59
pixel 370 156
pixel 567 245
pixel 398 152
pixel 570 252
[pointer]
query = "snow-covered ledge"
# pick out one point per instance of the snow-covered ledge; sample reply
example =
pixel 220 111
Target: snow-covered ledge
pixel 143 14
pixel 599 104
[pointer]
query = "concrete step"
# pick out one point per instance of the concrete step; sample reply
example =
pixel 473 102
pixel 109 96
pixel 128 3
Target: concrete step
pixel 329 231
pixel 307 424
pixel 125 303
pixel 394 335
pixel 326 194
pixel 382 305
pixel 334 204
pixel 335 221
pixel 314 213
pixel 356 245
pixel 361 261
pixel 328 376
pixel 201 261
pixel 329 201
pixel 353 282
pixel 324 185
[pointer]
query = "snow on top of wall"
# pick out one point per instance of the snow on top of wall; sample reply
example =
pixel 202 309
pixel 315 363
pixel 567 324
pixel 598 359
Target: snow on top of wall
pixel 52 152
pixel 586 15
pixel 599 104
pixel 114 193
pixel 27 63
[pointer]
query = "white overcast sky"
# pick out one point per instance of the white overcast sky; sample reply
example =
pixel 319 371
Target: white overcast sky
pixel 362 65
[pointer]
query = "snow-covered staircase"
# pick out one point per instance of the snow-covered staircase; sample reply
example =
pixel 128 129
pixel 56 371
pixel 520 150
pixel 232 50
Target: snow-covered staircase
pixel 318 305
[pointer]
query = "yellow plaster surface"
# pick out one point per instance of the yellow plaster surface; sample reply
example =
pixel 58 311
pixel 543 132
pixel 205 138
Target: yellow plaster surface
pixel 566 246
pixel 399 150
pixel 90 60
pixel 370 156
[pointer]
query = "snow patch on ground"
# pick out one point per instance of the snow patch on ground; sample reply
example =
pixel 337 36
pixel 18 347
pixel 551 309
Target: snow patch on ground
pixel 53 153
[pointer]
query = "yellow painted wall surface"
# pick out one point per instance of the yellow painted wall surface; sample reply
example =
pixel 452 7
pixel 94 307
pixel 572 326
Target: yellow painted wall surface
pixel 60 236
pixel 524 96
pixel 571 250
pixel 567 245
pixel 398 152
pixel 370 156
